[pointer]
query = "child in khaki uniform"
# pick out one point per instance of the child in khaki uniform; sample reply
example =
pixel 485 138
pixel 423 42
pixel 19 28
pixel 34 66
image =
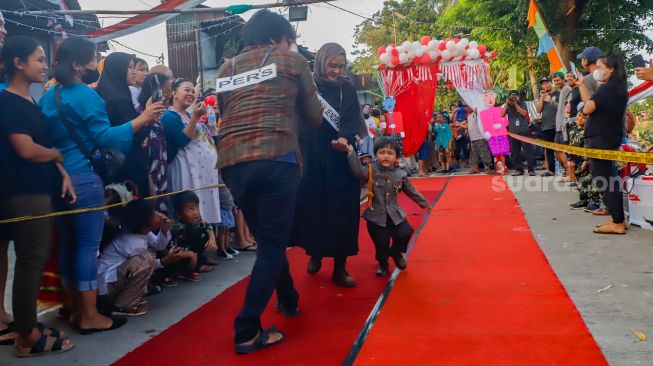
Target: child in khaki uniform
pixel 386 220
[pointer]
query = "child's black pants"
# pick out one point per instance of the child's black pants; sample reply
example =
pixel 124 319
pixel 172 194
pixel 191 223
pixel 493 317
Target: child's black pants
pixel 400 235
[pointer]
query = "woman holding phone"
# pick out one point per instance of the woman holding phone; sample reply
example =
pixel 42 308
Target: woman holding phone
pixel 192 155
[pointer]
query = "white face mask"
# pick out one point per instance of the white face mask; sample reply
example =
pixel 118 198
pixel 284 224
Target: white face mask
pixel 598 75
pixel 294 48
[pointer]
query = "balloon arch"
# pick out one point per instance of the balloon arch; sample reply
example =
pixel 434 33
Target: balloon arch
pixel 409 74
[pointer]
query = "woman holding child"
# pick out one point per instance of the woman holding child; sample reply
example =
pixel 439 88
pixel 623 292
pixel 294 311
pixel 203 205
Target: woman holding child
pixel 328 211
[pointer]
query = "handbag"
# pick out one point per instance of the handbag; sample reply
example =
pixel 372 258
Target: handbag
pixel 104 161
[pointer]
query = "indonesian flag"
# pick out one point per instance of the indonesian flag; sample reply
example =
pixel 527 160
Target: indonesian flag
pixel 641 91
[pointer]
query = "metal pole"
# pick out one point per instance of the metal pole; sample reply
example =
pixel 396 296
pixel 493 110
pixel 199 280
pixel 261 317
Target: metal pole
pixel 170 11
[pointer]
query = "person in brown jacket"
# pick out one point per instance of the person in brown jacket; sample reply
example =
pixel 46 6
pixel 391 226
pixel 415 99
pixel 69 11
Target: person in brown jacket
pixel 386 220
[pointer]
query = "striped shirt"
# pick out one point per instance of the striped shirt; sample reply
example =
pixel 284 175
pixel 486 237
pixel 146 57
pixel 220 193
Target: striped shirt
pixel 260 121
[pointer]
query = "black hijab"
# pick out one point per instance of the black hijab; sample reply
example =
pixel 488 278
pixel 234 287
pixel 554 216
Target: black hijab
pixel 113 88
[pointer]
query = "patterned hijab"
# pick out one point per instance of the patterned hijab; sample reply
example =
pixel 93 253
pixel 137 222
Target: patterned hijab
pixel 324 56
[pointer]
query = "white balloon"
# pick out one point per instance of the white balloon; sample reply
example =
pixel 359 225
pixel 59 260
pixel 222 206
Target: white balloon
pixel 434 54
pixel 403 58
pixel 451 45
pixel 433 45
pixel 473 44
pixel 446 55
pixel 385 58
pixel 464 42
pixel 460 47
pixel 473 53
pixel 419 52
pixel 401 49
pixel 405 43
pixel 416 44
pixel 411 54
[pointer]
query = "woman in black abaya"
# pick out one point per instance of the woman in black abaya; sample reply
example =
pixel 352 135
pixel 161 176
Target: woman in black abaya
pixel 328 210
pixel 119 73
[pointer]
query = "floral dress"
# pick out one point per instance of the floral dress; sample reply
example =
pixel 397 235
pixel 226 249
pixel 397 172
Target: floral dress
pixel 195 166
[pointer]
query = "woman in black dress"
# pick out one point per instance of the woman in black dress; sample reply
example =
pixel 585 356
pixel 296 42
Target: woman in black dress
pixel 328 211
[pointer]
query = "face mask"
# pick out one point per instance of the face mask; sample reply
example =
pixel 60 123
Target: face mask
pixel 294 48
pixel 598 75
pixel 90 76
pixel 367 115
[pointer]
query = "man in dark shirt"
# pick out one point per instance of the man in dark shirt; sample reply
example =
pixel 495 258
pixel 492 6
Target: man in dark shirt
pixel 518 122
pixel 264 93
pixel 548 106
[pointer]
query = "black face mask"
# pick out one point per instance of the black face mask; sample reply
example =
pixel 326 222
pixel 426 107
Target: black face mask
pixel 90 76
pixel 366 115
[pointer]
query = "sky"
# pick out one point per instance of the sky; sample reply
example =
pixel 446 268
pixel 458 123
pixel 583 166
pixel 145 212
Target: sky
pixel 325 23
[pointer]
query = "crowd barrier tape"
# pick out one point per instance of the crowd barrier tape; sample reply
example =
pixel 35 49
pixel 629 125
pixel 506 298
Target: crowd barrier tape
pixel 100 208
pixel 614 155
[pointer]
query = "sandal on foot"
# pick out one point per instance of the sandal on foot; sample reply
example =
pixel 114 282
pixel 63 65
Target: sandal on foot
pixel 44 346
pixel 117 323
pixel 262 341
pixel 248 248
pixel 8 335
pixel 610 229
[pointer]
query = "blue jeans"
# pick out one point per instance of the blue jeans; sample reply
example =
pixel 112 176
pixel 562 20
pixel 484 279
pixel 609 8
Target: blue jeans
pixel 266 191
pixel 81 234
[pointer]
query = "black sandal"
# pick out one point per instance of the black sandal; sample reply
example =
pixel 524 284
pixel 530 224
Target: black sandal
pixel 7 332
pixel 39 348
pixel 260 342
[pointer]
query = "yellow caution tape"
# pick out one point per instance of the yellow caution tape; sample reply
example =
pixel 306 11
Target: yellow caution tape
pixel 100 208
pixel 614 155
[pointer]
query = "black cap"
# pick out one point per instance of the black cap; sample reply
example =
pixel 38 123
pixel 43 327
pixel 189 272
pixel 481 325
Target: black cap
pixel 513 92
pixel 544 79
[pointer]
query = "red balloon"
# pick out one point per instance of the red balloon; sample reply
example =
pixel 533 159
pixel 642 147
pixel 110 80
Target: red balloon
pixel 494 53
pixel 426 59
pixel 439 58
pixel 380 51
pixel 425 40
pixel 394 52
pixel 456 40
pixel 210 100
pixel 464 57
pixel 482 49
pixel 395 60
pixel 392 45
pixel 382 67
pixel 443 46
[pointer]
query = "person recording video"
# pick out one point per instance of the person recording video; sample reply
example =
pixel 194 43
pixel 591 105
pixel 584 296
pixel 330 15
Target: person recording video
pixel 518 122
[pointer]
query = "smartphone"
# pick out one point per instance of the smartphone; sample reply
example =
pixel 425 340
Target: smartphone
pixel 574 71
pixel 638 61
pixel 156 89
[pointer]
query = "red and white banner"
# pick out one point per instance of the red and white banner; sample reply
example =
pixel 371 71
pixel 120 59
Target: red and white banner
pixel 142 21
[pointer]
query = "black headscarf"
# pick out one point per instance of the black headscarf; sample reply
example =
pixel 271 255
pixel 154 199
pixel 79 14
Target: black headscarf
pixel 113 88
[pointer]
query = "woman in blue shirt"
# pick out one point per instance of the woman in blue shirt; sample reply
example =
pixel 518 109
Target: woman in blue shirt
pixel 81 235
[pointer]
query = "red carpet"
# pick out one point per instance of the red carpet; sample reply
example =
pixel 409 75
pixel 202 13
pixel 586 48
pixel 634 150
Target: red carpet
pixel 478 291
pixel 331 316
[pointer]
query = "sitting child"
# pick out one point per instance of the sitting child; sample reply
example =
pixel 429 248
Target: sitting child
pixel 385 218
pixel 191 234
pixel 126 264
